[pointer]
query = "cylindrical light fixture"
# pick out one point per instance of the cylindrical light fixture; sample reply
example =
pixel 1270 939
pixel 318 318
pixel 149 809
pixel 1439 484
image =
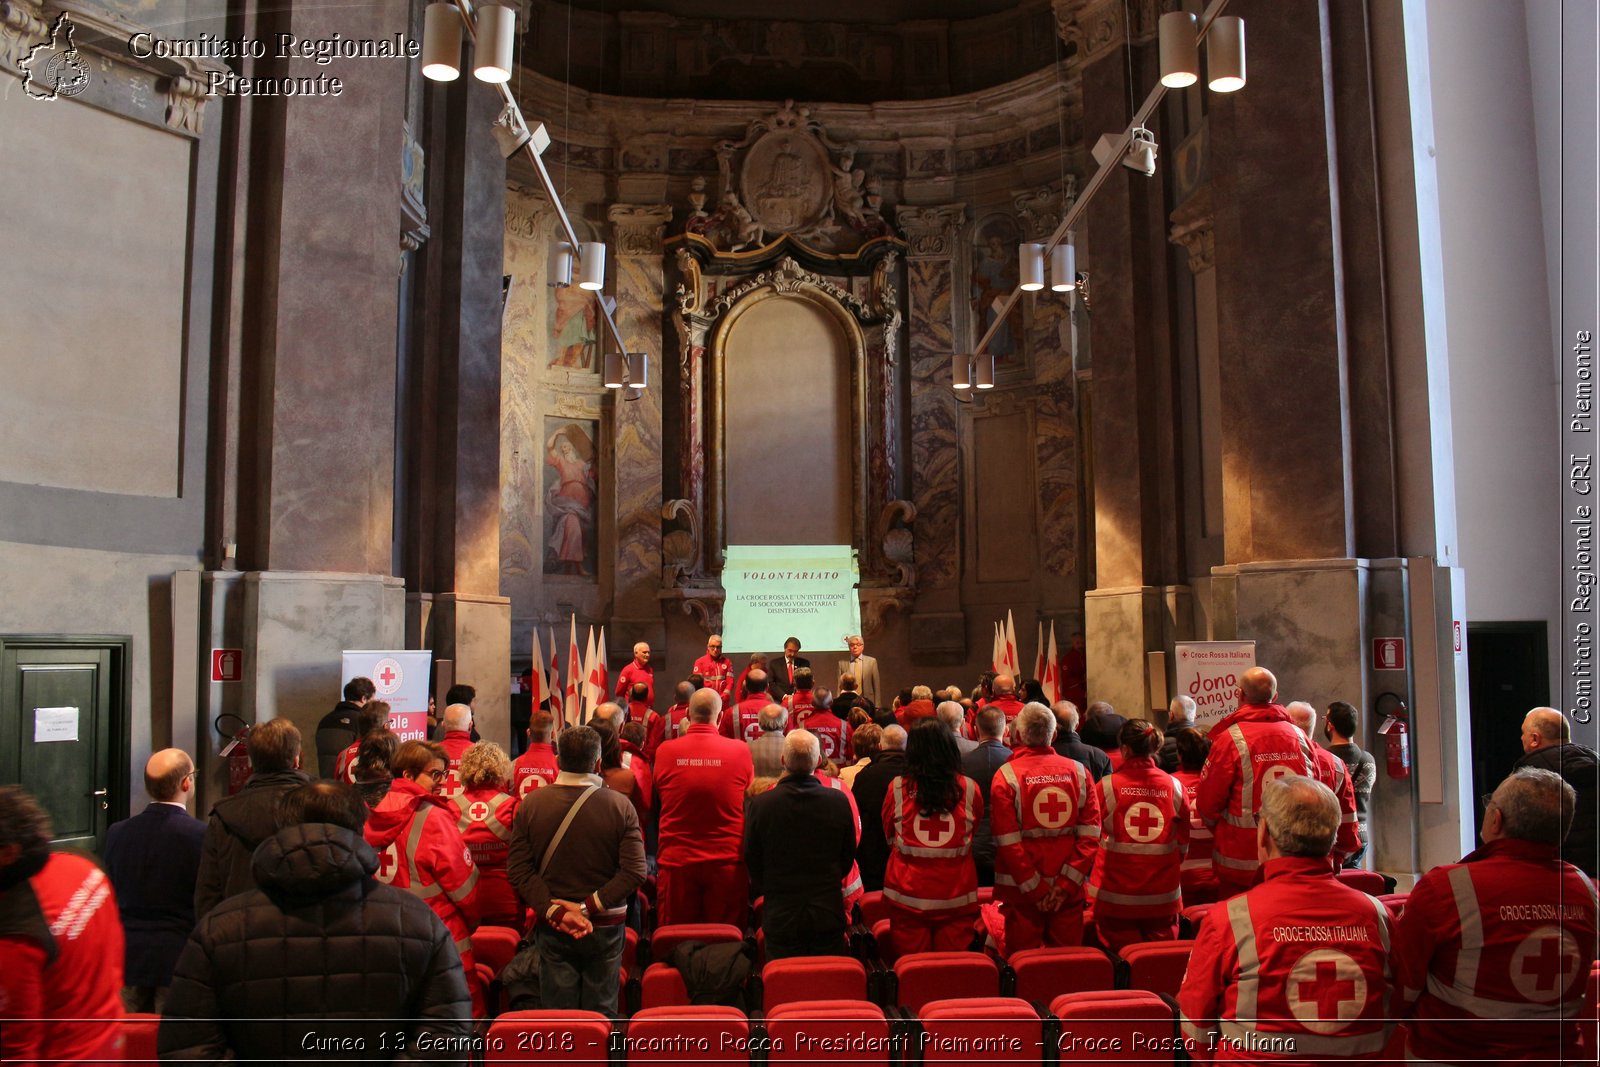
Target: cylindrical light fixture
pixel 497 38
pixel 1225 53
pixel 985 369
pixel 559 269
pixel 1180 50
pixel 615 369
pixel 1064 267
pixel 638 364
pixel 1030 266
pixel 441 42
pixel 960 371
pixel 592 265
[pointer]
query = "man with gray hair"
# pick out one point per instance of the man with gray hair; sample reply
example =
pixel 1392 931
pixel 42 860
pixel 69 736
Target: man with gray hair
pixel 988 753
pixel 1046 820
pixel 457 723
pixel 799 845
pixel 870 788
pixel 1180 717
pixel 1547 744
pixel 954 717
pixel 1331 772
pixel 1495 950
pixel 766 749
pixel 1070 745
pixel 1298 966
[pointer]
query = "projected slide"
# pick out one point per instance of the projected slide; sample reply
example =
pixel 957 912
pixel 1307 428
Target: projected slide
pixel 775 592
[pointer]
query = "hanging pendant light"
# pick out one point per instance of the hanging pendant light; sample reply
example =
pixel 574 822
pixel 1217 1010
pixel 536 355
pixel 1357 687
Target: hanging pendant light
pixel 1180 50
pixel 1030 266
pixel 1064 267
pixel 985 369
pixel 497 36
pixel 592 265
pixel 1225 53
pixel 441 42
pixel 558 271
pixel 960 371
pixel 615 370
pixel 638 368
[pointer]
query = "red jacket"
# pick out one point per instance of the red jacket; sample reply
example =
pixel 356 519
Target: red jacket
pixel 631 675
pixel 534 768
pixel 930 856
pixel 420 849
pixel 655 731
pixel 700 781
pixel 344 768
pixel 717 674
pixel 637 711
pixel 643 776
pixel 1199 880
pixel 1247 748
pixel 852 889
pixel 61 959
pixel 455 742
pixel 833 734
pixel 1506 936
pixel 1144 826
pixel 485 825
pixel 677 721
pixel 1295 970
pixel 1046 823
pixel 739 720
pixel 1331 772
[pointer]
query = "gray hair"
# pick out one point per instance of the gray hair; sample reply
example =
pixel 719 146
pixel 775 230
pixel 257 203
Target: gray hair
pixel 1302 815
pixel 772 717
pixel 1536 805
pixel 801 752
pixel 894 737
pixel 1181 709
pixel 457 717
pixel 1066 715
pixel 921 692
pixel 1302 715
pixel 952 714
pixel 704 705
pixel 1034 726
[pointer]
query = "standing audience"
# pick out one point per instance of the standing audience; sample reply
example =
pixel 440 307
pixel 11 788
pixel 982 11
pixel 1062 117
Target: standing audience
pixel 870 788
pixel 864 741
pixel 241 822
pixel 487 812
pixel 766 750
pixel 1339 726
pixel 1198 878
pixel 338 729
pixel 1547 745
pixel 1072 746
pixel 1180 720
pixel 375 765
pixel 980 764
pixel 1331 772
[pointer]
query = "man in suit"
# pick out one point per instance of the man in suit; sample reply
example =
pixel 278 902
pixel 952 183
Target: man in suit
pixel 780 671
pixel 863 667
pixel 986 757
pixel 153 860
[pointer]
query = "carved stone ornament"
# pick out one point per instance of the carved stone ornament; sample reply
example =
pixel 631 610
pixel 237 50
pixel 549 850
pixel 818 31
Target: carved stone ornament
pixel 639 227
pixel 931 231
pixel 1096 27
pixel 526 215
pixel 1194 227
pixel 413 210
pixel 790 277
pixel 1041 210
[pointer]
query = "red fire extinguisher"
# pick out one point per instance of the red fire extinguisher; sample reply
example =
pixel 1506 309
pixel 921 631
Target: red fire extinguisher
pixel 1396 738
pixel 237 753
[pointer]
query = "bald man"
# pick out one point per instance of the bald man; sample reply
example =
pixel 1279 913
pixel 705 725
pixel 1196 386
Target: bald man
pixel 1331 772
pixel 1547 745
pixel 153 860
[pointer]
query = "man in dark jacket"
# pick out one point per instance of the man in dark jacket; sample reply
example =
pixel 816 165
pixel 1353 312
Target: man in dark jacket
pixel 1070 745
pixel 871 786
pixel 1547 744
pixel 980 764
pixel 799 843
pixel 320 957
pixel 337 731
pixel 153 860
pixel 241 822
pixel 1180 717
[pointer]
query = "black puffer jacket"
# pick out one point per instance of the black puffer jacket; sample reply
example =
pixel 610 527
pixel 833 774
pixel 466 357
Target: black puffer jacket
pixel 237 825
pixel 1580 766
pixel 320 963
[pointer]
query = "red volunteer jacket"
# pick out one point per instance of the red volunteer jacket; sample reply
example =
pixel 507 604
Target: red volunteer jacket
pixel 534 768
pixel 1495 952
pixel 633 759
pixel 700 781
pixel 800 706
pixel 1199 880
pixel 61 959
pixel 677 720
pixel 633 674
pixel 739 720
pixel 655 732
pixel 1331 772
pixel 1144 828
pixel 455 743
pixel 1046 823
pixel 420 849
pixel 1295 970
pixel 344 768
pixel 833 734
pixel 1253 744
pixel 717 673
pixel 485 825
pixel 930 856
pixel 853 891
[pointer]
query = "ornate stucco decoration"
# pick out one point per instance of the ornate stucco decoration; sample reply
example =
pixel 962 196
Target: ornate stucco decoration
pixel 1194 228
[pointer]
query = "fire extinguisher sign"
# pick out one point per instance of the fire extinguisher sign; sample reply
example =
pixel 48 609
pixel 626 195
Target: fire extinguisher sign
pixel 1388 653
pixel 227 664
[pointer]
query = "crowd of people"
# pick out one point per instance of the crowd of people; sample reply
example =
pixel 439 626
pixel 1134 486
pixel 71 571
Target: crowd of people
pixel 762 799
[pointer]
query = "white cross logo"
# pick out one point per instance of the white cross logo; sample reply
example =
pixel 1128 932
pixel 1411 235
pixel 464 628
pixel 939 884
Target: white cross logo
pixel 1144 822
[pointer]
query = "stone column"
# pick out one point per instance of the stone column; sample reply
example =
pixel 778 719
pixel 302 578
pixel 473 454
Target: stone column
pixel 938 625
pixel 640 276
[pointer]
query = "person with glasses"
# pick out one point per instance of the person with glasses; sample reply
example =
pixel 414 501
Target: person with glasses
pixel 415 831
pixel 153 860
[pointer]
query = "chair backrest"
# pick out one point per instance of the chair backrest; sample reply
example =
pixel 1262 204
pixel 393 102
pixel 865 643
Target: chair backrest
pixel 139 1036
pixel 662 987
pixel 630 950
pixel 809 977
pixel 493 946
pixel 1043 974
pixel 1157 965
pixel 987 1030
pixel 883 942
pixel 667 938
pixel 1395 901
pixel 929 976
pixel 1370 882
pixel 1194 915
pixel 552 1038
pixel 852 1024
pixel 873 908
pixel 1121 1026
pixel 700 1033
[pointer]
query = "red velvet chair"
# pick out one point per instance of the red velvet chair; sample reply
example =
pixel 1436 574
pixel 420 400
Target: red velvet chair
pixel 702 1033
pixel 1396 902
pixel 493 946
pixel 139 1037
pixel 1040 975
pixel 667 938
pixel 923 977
pixel 549 1038
pixel 812 978
pixel 1116 1027
pixel 1369 882
pixel 873 909
pixel 981 1030
pixel 832 1021
pixel 1157 965
pixel 662 987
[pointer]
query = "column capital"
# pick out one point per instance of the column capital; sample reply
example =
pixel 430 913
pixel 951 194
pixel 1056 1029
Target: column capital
pixel 639 228
pixel 931 229
pixel 1098 28
pixel 1194 228
pixel 1041 210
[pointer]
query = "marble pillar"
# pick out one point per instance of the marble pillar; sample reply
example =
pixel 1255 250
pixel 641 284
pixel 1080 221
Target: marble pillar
pixel 938 626
pixel 640 278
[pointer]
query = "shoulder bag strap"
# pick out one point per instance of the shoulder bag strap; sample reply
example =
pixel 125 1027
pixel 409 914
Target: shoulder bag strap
pixel 561 831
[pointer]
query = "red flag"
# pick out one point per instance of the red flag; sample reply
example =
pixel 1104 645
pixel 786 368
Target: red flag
pixel 573 711
pixel 554 685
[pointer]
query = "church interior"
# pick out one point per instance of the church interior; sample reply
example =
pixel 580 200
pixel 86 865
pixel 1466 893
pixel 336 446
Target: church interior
pixel 1308 387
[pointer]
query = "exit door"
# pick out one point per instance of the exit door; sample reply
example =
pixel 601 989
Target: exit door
pixel 64 714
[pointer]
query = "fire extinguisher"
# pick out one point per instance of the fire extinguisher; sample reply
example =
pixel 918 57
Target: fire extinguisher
pixel 1396 736
pixel 236 751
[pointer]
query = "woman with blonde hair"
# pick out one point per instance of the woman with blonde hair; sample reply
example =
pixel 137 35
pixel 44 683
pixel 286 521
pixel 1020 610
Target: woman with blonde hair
pixel 487 811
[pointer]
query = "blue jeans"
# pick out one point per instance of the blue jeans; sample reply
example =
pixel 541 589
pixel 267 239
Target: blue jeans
pixel 580 973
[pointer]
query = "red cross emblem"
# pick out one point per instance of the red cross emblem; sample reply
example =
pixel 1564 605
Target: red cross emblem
pixel 1276 771
pixel 1052 807
pixel 752 730
pixel 1144 822
pixel 828 742
pixel 933 831
pixel 529 784
pixel 1326 990
pixel 1543 966
pixel 389 675
pixel 388 863
pixel 478 811
pixel 451 786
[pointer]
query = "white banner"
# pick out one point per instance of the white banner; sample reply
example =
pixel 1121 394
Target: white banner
pixel 402 680
pixel 1208 672
pixel 775 592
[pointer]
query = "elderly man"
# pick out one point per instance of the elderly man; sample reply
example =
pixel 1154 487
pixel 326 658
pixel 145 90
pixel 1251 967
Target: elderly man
pixel 987 755
pixel 700 784
pixel 1296 968
pixel 741 721
pixel 862 667
pixel 1046 822
pixel 715 669
pixel 1255 744
pixel 954 717
pixel 1180 717
pixel 766 749
pixel 636 671
pixel 871 786
pixel 456 740
pixel 153 860
pixel 799 845
pixel 1547 744
pixel 1331 772
pixel 1495 950
pixel 1004 688
pixel 1070 745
